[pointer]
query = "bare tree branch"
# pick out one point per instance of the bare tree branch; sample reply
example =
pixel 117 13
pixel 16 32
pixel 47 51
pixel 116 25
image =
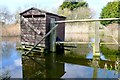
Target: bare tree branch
pixel 5 15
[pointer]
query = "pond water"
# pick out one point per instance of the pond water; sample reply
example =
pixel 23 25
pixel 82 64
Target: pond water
pixel 72 64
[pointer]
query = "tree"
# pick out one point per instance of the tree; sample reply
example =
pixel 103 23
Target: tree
pixel 5 15
pixel 75 10
pixel 17 15
pixel 111 10
pixel 73 5
pixel 79 13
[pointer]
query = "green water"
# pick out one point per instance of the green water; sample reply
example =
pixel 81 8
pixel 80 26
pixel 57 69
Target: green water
pixel 75 62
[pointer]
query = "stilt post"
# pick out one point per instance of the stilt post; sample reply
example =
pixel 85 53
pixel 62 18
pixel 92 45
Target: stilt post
pixel 96 48
pixel 52 36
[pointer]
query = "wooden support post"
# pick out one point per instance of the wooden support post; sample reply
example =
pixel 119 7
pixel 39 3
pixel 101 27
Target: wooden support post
pixel 96 48
pixel 95 64
pixel 52 36
pixel 51 66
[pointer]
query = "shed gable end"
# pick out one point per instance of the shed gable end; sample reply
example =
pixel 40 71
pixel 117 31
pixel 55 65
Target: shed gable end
pixel 32 11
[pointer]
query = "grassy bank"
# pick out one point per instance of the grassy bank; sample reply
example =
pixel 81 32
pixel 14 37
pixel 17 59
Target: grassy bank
pixel 106 51
pixel 109 53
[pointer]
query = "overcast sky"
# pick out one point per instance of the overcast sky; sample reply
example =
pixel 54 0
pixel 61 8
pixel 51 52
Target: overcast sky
pixel 50 5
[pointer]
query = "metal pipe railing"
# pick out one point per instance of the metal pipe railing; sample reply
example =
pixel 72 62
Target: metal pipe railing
pixel 87 20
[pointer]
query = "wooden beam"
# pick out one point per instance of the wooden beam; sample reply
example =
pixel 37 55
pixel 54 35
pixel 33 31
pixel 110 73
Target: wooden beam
pixel 82 43
pixel 87 20
pixel 73 42
pixel 108 43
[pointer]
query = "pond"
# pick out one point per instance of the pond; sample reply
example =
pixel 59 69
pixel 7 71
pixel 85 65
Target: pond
pixel 76 63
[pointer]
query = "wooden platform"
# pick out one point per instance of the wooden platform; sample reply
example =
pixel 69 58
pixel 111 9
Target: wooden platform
pixel 37 50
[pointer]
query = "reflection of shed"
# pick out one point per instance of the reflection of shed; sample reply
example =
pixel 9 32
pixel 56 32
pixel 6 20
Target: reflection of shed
pixel 35 24
pixel 36 67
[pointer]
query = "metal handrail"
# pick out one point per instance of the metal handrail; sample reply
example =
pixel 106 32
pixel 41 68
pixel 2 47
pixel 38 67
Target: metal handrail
pixel 87 20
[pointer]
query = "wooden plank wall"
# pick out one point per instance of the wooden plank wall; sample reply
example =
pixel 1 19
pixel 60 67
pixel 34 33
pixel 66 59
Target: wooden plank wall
pixel 33 35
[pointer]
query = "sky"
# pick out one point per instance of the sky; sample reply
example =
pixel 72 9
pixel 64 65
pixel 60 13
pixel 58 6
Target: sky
pixel 49 5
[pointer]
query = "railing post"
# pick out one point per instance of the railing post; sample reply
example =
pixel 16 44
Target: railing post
pixel 52 36
pixel 96 50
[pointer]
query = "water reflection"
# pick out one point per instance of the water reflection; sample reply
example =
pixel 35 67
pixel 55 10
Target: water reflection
pixel 90 56
pixel 47 67
pixel 11 61
pixel 33 67
pixel 51 66
pixel 77 71
pixel 103 73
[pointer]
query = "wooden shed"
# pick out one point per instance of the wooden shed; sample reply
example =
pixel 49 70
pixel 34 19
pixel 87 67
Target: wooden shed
pixel 35 23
